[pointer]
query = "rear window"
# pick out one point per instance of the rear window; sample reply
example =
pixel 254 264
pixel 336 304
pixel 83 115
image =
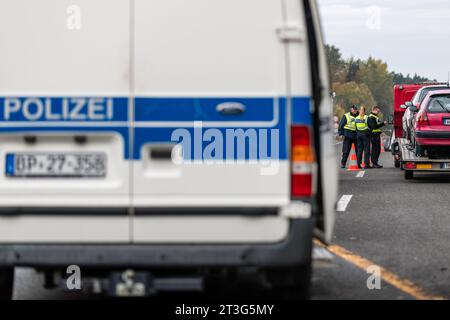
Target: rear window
pixel 439 104
pixel 425 91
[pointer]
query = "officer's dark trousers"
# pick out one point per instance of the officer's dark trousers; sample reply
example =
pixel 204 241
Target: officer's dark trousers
pixel 376 147
pixel 347 148
pixel 363 146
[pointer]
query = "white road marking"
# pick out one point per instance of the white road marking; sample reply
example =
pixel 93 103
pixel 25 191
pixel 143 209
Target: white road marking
pixel 343 203
pixel 322 258
pixel 322 254
pixel 361 174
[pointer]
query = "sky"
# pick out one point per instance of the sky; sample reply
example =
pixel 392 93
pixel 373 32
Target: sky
pixel 412 36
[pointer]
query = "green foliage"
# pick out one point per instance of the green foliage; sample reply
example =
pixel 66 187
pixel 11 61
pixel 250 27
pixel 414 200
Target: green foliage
pixel 364 82
pixel 374 73
pixel 352 93
pixel 401 79
pixel 353 69
pixel 338 67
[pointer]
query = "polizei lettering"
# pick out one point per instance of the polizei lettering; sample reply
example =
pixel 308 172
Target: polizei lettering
pixel 58 109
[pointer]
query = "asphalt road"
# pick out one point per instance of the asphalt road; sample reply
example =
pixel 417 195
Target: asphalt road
pixel 401 226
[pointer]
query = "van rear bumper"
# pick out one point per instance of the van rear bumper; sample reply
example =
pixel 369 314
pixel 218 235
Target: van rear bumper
pixel 295 249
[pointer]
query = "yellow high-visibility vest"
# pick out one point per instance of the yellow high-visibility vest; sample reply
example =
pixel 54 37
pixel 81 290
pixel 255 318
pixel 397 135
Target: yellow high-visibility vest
pixel 351 125
pixel 377 119
pixel 361 124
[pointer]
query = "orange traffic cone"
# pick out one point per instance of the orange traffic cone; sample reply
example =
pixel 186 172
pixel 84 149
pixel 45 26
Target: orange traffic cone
pixel 382 146
pixel 353 161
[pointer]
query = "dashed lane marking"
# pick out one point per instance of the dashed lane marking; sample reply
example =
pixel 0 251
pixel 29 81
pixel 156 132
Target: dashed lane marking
pixel 343 203
pixel 394 280
pixel 361 174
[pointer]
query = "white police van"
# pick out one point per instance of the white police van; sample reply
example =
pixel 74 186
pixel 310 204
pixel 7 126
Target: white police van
pixel 153 143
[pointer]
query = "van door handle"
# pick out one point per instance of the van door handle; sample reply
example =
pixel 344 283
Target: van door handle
pixel 230 108
pixel 161 153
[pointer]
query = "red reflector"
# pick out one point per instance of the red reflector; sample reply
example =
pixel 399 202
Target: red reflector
pixel 410 165
pixel 301 185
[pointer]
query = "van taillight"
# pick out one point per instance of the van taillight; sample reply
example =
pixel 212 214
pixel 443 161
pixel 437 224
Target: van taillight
pixel 302 162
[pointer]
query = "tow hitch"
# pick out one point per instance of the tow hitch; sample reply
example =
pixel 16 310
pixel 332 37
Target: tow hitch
pixel 134 284
pixel 131 284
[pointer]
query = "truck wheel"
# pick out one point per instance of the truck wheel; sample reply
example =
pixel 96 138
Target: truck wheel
pixel 291 283
pixel 409 175
pixel 6 283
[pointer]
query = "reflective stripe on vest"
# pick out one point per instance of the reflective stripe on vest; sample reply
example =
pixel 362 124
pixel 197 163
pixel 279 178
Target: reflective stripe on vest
pixel 361 124
pixel 350 122
pixel 378 122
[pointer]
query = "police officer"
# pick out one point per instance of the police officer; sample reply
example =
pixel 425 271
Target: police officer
pixel 347 129
pixel 363 137
pixel 375 125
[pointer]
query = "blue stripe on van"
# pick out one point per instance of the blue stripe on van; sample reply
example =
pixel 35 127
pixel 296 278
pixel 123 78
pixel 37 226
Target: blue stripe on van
pixel 202 109
pixel 167 110
pixel 154 136
pixel 301 111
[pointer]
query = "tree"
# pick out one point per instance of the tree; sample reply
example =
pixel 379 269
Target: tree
pixel 367 82
pixel 374 73
pixel 352 93
pixel 399 78
pixel 337 65
pixel 353 68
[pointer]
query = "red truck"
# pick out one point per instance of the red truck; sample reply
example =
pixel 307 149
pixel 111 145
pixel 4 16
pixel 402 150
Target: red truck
pixel 402 94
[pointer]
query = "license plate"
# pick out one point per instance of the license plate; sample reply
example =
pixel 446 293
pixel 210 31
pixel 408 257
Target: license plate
pixel 445 166
pixel 56 165
pixel 446 122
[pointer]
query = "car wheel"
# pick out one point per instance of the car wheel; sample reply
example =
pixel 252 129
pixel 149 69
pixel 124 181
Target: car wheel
pixel 6 283
pixel 409 175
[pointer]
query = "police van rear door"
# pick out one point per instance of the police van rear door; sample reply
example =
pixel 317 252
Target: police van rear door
pixel 64 125
pixel 325 146
pixel 210 77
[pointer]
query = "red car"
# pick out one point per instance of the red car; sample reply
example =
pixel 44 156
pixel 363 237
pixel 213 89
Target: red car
pixel 431 134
